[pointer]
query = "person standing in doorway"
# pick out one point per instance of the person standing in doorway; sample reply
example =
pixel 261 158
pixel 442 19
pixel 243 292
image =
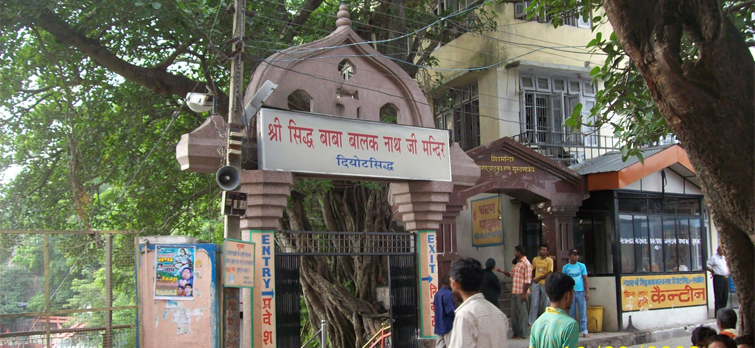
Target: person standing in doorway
pixel 491 286
pixel 478 324
pixel 444 313
pixel 543 267
pixel 555 328
pixel 577 271
pixel 719 271
pixel 521 274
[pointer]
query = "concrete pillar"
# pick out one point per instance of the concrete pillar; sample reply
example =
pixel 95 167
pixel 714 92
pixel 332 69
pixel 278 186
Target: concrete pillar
pixel 268 192
pixel 421 206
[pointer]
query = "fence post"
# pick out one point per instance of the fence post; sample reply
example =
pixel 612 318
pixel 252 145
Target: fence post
pixel 323 334
pixel 47 290
pixel 108 339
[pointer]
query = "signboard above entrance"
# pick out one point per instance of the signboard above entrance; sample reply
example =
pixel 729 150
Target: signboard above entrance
pixel 325 145
pixel 501 163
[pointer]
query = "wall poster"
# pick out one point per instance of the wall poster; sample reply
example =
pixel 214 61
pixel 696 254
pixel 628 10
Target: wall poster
pixel 174 272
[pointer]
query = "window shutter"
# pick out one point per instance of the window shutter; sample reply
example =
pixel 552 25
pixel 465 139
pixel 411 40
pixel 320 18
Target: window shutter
pixel 559 85
pixel 543 84
pixel 520 9
pixel 581 23
pixel 527 83
pixel 575 87
pixel 588 88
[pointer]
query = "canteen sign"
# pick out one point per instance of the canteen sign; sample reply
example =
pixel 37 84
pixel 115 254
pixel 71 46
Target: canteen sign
pixel 662 291
pixel 309 143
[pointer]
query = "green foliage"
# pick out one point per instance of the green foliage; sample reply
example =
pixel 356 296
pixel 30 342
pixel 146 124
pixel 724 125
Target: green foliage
pixel 96 150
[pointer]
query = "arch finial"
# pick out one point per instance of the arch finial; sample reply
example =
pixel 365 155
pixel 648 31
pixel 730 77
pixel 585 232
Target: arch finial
pixel 343 16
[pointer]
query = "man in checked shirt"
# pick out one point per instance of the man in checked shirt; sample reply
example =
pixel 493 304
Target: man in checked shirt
pixel 521 273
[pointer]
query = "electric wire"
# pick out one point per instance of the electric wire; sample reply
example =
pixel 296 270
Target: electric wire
pixel 557 48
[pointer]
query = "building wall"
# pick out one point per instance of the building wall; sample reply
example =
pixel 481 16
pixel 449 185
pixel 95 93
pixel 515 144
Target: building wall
pixel 559 51
pixel 603 293
pixel 674 184
pixel 502 254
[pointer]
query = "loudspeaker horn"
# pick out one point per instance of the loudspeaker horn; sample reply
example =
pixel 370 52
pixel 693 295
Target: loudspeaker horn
pixel 228 178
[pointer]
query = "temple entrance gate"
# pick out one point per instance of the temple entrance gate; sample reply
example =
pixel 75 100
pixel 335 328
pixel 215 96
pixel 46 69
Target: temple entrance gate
pixel 324 120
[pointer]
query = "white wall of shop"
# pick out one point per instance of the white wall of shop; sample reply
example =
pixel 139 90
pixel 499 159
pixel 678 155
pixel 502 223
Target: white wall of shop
pixel 674 184
pixel 660 318
pixel 603 293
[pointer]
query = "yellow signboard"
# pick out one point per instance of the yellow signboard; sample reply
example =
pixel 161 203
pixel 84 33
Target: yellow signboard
pixel 662 291
pixel 487 228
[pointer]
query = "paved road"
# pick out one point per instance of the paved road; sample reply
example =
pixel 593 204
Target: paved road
pixel 671 343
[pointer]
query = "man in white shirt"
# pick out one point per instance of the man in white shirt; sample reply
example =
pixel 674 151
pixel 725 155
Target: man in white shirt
pixel 719 271
pixel 478 323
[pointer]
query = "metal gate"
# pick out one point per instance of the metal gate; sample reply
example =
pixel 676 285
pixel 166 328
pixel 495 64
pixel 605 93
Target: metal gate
pixel 287 292
pixel 403 285
pixel 400 247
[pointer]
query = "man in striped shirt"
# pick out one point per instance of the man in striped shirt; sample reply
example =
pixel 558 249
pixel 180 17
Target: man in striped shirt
pixel 521 274
pixel 478 323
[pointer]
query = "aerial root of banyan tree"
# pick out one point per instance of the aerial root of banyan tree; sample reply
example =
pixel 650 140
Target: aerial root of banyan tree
pixel 352 313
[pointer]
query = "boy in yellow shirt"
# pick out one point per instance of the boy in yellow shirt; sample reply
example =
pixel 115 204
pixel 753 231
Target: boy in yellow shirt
pixel 543 266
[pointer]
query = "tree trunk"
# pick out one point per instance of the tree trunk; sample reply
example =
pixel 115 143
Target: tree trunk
pixel 341 289
pixel 709 105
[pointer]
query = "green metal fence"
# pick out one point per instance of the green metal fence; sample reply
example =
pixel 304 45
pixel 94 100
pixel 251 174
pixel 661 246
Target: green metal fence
pixel 68 288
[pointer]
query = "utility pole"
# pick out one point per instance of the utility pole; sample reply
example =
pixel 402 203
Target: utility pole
pixel 231 308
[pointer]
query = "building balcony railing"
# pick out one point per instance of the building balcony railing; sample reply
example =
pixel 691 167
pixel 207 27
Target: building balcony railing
pixel 570 148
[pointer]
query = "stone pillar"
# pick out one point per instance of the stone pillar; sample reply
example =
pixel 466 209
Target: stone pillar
pixel 558 230
pixel 422 204
pixel 268 192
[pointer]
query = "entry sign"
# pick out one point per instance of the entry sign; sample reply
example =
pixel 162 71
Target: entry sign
pixel 326 145
pixel 238 264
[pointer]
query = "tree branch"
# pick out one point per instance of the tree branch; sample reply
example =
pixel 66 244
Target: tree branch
pixel 740 6
pixel 171 58
pixel 292 28
pixel 36 91
pixel 46 177
pixel 156 80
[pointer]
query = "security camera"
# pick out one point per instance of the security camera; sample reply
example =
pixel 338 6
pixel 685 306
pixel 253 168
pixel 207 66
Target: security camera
pixel 199 102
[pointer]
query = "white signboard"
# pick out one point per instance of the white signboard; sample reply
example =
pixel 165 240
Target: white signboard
pixel 308 143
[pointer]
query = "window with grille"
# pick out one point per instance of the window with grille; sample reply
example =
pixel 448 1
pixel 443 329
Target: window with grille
pixel 460 112
pixel 572 19
pixel 547 101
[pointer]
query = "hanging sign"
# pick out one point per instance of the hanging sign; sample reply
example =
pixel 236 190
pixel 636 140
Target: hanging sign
pixel 238 263
pixel 487 227
pixel 174 272
pixel 308 143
